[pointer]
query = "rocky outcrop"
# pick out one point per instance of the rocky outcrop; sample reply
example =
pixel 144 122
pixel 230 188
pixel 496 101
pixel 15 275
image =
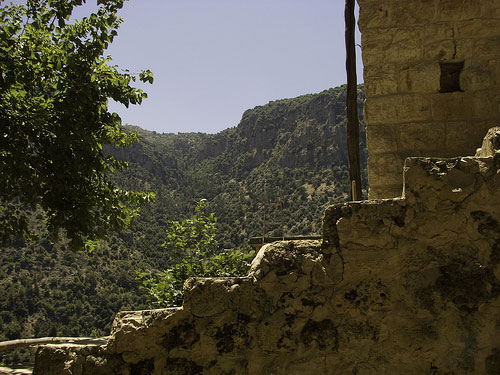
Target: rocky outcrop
pixel 408 285
pixel 491 143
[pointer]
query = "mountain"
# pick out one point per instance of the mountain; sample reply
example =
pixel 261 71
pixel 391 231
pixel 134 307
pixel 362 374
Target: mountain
pixel 272 174
pixel 285 160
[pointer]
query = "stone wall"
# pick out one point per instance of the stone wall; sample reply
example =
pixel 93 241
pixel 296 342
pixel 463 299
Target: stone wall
pixel 398 286
pixel 432 81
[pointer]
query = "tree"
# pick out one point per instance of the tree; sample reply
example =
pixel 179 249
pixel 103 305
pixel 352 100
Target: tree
pixel 54 89
pixel 194 252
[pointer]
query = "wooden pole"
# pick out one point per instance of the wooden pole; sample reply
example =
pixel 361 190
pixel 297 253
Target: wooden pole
pixel 352 102
pixel 24 343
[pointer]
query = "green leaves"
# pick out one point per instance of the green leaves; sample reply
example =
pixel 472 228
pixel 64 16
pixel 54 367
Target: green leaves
pixel 194 252
pixel 146 76
pixel 195 236
pixel 54 91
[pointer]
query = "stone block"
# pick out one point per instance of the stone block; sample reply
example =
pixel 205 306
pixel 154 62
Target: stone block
pixel 407 45
pixel 477 28
pixel 385 191
pixel 440 50
pixel 380 86
pixel 209 293
pixel 463 50
pixel 486 104
pixel 376 14
pixel 436 32
pixel 370 224
pixel 423 77
pixel 380 79
pixel 385 169
pixel 398 45
pixel 396 109
pixel 494 64
pixel 484 47
pixel 490 9
pixel 456 10
pixel 381 139
pixel 373 44
pixel 422 139
pixel 480 75
pixel 463 138
pixel 373 15
pixel 452 106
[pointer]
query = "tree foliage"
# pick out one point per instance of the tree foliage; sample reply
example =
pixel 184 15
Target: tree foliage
pixel 194 252
pixel 55 84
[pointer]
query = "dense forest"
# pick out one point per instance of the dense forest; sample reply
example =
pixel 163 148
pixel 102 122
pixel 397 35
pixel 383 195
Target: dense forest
pixel 273 174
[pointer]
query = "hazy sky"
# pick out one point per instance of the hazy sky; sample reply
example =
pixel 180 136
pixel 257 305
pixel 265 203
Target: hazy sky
pixel 213 59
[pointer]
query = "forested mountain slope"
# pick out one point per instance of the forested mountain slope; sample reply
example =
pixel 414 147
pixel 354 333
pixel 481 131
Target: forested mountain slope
pixel 273 174
pixel 285 161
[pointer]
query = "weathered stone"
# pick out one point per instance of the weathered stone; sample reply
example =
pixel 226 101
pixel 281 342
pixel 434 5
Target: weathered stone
pixel 478 27
pixel 406 285
pixel 386 170
pixel 491 143
pixel 381 80
pixel 404 45
pixel 459 135
pixel 393 46
pixel 453 106
pixel 375 14
pixel 422 139
pixel 384 189
pixel 480 75
pixel 419 78
pixel 433 32
pixel 398 109
pixel 441 50
pixel 386 137
pixel 486 105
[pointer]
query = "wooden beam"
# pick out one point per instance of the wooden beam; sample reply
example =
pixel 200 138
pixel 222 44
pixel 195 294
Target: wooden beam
pixel 24 343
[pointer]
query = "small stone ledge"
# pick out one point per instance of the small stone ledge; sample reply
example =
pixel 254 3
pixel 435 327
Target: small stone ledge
pixel 437 184
pixel 371 223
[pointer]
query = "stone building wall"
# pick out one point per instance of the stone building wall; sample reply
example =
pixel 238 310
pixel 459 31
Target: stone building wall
pixel 432 81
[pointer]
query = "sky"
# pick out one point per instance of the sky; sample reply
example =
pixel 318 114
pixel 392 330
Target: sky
pixel 214 59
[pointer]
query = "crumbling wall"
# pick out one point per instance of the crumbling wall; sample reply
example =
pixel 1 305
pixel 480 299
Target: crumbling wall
pixel 399 286
pixel 432 78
